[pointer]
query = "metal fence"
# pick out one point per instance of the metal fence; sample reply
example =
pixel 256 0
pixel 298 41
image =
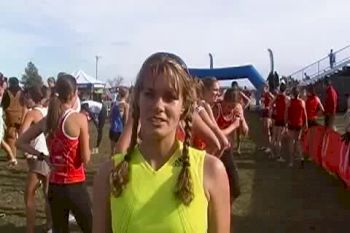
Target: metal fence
pixel 324 66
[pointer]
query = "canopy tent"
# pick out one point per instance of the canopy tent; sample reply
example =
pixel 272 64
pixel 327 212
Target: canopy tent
pixel 86 81
pixel 231 73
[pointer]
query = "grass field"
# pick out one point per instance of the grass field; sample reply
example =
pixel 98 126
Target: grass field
pixel 275 199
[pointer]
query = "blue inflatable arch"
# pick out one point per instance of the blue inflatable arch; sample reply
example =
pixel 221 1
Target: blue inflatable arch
pixel 231 73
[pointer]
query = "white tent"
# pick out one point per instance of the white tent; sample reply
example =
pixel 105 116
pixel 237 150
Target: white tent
pixel 84 80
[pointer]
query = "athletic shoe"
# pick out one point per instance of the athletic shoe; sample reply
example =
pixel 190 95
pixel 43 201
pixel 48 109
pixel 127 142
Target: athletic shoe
pixel 12 163
pixel 281 160
pixel 47 230
pixel 267 150
pixel 71 218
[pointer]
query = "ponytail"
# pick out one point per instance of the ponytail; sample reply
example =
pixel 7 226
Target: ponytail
pixel 53 115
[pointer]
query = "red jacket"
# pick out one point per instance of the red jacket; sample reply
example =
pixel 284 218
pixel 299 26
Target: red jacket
pixel 330 106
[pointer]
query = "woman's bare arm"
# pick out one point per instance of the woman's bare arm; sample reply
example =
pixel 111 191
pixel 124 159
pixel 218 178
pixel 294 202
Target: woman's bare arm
pixel 199 127
pixel 85 152
pixel 215 128
pixel 27 121
pixel 305 114
pixel 125 138
pixel 246 99
pixel 216 186
pixel 23 142
pixel 320 105
pixel 101 221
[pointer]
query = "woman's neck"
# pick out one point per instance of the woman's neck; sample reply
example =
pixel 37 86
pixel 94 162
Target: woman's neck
pixel 66 106
pixel 157 152
pixel 38 105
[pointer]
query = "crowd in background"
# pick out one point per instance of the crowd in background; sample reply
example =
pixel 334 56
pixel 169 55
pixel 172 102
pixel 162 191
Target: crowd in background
pixel 172 136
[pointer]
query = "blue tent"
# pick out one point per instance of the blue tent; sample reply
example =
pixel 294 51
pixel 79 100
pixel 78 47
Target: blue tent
pixel 230 73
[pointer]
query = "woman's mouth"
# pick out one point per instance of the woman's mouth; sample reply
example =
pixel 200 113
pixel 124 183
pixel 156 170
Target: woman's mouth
pixel 157 121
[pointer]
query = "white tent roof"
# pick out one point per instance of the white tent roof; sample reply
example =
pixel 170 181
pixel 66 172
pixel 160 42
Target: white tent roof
pixel 84 79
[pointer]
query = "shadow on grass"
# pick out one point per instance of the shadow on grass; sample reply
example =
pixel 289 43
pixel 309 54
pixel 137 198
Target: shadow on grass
pixel 290 200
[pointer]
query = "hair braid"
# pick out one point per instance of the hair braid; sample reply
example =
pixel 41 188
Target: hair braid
pixel 184 188
pixel 120 173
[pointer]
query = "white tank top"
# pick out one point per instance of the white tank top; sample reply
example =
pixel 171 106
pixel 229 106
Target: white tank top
pixel 39 143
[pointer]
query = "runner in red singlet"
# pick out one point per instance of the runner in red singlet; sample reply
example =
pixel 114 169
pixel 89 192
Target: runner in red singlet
pixel 245 102
pixel 204 111
pixel 313 106
pixel 211 91
pixel 266 99
pixel 296 120
pixel 68 143
pixel 280 103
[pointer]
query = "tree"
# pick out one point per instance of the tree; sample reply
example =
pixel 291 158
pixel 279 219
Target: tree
pixel 31 76
pixel 116 82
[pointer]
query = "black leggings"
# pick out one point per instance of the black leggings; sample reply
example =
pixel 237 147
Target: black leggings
pixel 101 122
pixel 232 173
pixel 70 197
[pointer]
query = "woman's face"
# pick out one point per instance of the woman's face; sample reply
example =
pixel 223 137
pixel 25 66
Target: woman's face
pixel 161 108
pixel 211 95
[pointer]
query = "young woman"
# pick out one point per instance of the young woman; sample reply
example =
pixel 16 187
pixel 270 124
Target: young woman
pixel 38 171
pixel 279 103
pixel 245 102
pixel 205 113
pixel 118 118
pixel 68 144
pixel 191 185
pixel 313 106
pixel 296 117
pixel 12 159
pixel 266 99
pixel 230 118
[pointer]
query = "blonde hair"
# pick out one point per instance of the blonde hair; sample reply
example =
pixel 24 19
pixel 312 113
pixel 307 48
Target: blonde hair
pixel 172 68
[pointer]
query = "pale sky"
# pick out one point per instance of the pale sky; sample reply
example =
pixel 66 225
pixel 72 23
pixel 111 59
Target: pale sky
pixel 66 35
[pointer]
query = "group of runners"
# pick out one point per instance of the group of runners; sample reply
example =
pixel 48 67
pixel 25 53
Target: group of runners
pixel 174 140
pixel 289 113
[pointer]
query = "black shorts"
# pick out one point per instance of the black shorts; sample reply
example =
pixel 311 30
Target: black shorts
pixel 232 173
pixel 329 120
pixel 265 113
pixel 280 123
pixel 311 123
pixel 114 136
pixel 295 128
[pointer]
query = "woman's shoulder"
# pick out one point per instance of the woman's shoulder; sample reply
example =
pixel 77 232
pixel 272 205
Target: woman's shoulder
pixel 77 117
pixel 213 167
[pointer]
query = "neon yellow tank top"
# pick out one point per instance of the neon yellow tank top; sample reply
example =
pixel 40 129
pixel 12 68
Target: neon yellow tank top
pixel 148 203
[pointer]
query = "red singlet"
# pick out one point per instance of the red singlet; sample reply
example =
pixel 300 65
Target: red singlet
pixel 312 106
pixel 280 107
pixel 295 113
pixel 267 100
pixel 225 117
pixel 65 156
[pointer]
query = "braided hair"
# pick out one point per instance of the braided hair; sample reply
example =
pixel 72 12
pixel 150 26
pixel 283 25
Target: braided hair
pixel 175 70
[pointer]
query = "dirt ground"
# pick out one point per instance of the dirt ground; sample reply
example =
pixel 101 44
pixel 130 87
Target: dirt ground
pixel 275 198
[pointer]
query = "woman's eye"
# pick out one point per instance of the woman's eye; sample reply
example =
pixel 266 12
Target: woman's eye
pixel 149 94
pixel 171 97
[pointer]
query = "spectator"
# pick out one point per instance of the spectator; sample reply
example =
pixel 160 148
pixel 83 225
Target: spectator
pixel 14 112
pixel 330 106
pixel 331 58
pixel 98 113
